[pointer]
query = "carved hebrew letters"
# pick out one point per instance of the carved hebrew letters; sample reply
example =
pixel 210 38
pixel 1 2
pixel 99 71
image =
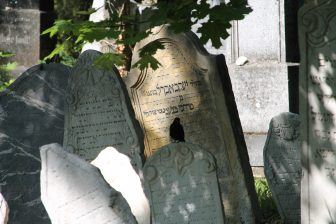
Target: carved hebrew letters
pixel 318 109
pixel 96 113
pixel 282 165
pixel 182 185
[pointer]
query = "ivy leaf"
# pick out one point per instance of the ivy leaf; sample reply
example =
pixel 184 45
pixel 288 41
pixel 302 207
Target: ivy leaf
pixel 210 31
pixel 147 61
pixel 108 60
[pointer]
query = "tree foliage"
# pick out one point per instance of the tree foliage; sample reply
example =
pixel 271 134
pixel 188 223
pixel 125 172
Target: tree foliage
pixel 125 27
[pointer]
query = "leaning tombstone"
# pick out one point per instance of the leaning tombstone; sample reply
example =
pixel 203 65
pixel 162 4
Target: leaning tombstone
pixel 98 113
pixel 118 172
pixel 182 186
pixel 317 110
pixel 196 87
pixel 282 165
pixel 74 191
pixel 31 115
pixel 4 210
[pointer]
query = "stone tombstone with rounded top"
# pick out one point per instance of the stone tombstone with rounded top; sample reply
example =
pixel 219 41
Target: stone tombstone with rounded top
pixel 282 165
pixel 317 35
pixel 195 86
pixel 182 185
pixel 74 191
pixel 98 113
pixel 31 115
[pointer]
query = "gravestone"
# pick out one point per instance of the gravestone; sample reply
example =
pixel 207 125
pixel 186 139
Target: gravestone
pixel 182 186
pixel 74 191
pixel 195 86
pixel 21 24
pixel 282 165
pixel 98 113
pixel 4 210
pixel 317 29
pixel 118 172
pixel 31 115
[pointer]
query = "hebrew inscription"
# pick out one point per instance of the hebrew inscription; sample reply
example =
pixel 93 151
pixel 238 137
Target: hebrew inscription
pixel 74 191
pixel 98 114
pixel 182 185
pixel 188 85
pixel 317 24
pixel 282 165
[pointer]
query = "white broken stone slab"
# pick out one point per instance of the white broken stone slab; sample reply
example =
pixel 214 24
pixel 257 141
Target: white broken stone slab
pixel 74 191
pixel 98 113
pixel 4 210
pixel 182 185
pixel 282 165
pixel 117 170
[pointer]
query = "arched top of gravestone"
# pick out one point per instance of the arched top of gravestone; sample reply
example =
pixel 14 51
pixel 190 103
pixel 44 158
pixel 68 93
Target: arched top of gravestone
pixel 42 83
pixel 182 185
pixel 187 44
pixel 282 164
pixel 98 112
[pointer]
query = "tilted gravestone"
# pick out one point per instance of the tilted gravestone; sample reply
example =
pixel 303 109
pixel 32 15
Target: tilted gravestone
pixel 74 191
pixel 196 87
pixel 317 35
pixel 98 113
pixel 182 186
pixel 118 172
pixel 4 210
pixel 282 165
pixel 31 115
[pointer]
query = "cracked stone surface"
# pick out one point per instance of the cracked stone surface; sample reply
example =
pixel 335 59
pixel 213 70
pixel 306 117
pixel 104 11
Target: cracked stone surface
pixel 31 115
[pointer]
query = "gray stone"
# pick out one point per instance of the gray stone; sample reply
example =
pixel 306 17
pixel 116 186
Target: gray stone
pixel 4 210
pixel 98 113
pixel 282 165
pixel 195 86
pixel 74 191
pixel 21 35
pixel 31 115
pixel 118 172
pixel 182 185
pixel 317 23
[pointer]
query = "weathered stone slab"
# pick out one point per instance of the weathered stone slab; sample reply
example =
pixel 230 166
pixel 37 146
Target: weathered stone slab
pixel 282 165
pixel 4 210
pixel 118 172
pixel 181 183
pixel 98 113
pixel 196 87
pixel 74 191
pixel 31 115
pixel 317 29
pixel 21 35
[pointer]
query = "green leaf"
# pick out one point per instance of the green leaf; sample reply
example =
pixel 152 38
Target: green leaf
pixel 108 60
pixel 4 54
pixel 147 61
pixel 56 51
pixel 210 31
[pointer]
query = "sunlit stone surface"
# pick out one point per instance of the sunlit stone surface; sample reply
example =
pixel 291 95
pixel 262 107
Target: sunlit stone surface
pixel 118 172
pixel 98 113
pixel 4 210
pixel 195 86
pixel 74 191
pixel 282 165
pixel 317 29
pixel 182 185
